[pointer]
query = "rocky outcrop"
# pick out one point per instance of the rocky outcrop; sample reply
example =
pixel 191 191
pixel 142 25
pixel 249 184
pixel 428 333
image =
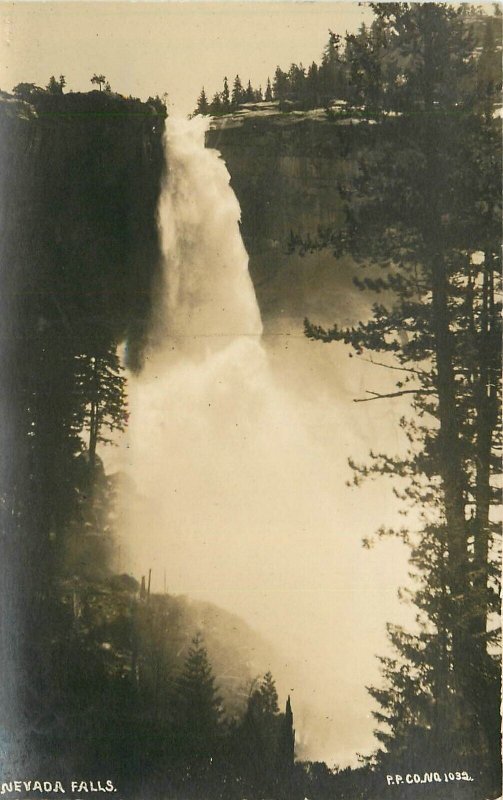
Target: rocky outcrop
pixel 79 188
pixel 287 170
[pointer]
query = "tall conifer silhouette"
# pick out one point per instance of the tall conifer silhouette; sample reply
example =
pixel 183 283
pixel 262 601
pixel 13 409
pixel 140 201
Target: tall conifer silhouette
pixel 198 703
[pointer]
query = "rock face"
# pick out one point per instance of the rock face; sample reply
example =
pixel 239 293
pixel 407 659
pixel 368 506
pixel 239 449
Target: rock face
pixel 80 181
pixel 287 170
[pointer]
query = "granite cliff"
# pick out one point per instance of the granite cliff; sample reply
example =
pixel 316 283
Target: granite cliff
pixel 288 171
pixel 80 181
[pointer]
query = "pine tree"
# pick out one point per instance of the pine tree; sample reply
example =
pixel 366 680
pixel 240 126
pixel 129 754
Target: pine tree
pixel 297 81
pixel 225 97
pixel 27 91
pixel 286 744
pixel 216 107
pixel 331 54
pixel 331 71
pixel 423 209
pixel 100 378
pixel 202 104
pixel 54 86
pixel 312 86
pixel 258 737
pixel 364 61
pixel 198 704
pixel 268 91
pixel 285 759
pixel 249 95
pixel 269 695
pixel 238 94
pixel 98 80
pixel 280 85
pixel 489 68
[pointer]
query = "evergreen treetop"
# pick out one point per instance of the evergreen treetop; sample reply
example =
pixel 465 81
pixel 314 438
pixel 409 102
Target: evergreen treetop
pixel 199 706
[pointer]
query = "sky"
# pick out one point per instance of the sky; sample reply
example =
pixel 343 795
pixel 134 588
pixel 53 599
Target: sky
pixel 146 49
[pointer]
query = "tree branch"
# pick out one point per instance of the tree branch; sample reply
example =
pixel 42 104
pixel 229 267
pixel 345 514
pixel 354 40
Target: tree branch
pixel 420 372
pixel 377 396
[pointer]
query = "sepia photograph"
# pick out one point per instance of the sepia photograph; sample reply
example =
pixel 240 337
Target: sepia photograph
pixel 250 404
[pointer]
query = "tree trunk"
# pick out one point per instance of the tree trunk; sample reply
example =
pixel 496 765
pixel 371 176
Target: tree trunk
pixel 450 461
pixel 486 417
pixel 94 416
pixel 451 467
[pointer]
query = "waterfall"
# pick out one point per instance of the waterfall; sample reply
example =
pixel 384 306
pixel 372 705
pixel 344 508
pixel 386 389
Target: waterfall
pixel 236 452
pixel 209 300
pixel 204 408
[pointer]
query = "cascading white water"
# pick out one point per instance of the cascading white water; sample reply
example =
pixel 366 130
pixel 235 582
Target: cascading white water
pixel 197 410
pixel 208 429
pixel 209 296
pixel 237 493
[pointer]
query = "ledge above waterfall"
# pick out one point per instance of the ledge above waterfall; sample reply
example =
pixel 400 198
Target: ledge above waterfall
pixel 275 114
